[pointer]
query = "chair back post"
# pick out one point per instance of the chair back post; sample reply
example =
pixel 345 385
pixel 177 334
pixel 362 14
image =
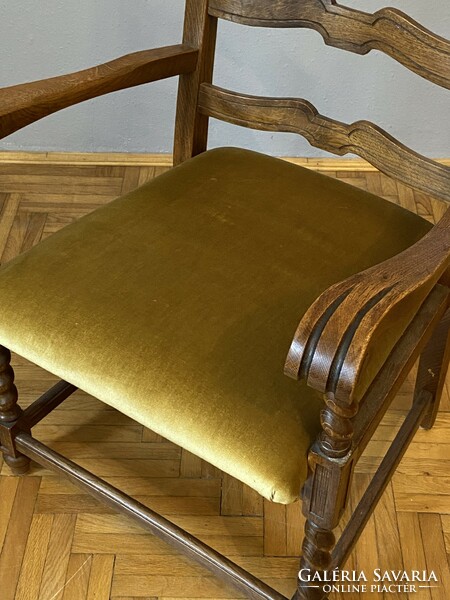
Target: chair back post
pixel 387 30
pixel 191 127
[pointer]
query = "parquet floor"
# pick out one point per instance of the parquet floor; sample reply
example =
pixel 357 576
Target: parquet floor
pixel 59 544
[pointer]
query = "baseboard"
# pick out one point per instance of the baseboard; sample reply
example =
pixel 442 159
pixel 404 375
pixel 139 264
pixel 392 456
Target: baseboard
pixel 165 160
pixel 109 159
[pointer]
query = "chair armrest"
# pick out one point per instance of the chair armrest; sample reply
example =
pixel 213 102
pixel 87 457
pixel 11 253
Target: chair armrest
pixel 349 331
pixel 23 104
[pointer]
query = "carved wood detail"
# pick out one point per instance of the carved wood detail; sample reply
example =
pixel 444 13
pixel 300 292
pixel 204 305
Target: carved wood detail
pixel 337 335
pixel 316 556
pixel 352 317
pixel 362 138
pixel 9 409
pixel 10 412
pixel 388 30
pixel 336 421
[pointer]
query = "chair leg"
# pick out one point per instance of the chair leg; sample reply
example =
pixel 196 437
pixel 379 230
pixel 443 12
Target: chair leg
pixel 10 413
pixel 433 365
pixel 325 495
pixel 316 558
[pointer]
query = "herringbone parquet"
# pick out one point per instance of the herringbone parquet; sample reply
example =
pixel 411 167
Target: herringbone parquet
pixel 60 544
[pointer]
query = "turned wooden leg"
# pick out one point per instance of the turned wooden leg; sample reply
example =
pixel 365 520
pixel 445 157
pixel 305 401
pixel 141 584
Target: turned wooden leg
pixel 19 465
pixel 10 412
pixel 325 494
pixel 316 558
pixel 433 366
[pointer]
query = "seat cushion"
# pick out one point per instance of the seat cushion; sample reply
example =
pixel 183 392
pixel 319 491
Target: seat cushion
pixel 177 303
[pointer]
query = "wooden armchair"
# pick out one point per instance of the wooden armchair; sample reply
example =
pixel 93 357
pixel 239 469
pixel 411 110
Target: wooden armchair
pixel 177 304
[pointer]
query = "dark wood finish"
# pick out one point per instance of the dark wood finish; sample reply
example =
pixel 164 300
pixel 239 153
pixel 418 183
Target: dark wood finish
pixel 316 556
pixel 149 519
pixel 50 400
pixel 362 138
pixel 9 409
pixel 337 426
pixel 10 412
pixel 347 321
pixel 325 491
pixel 346 432
pixel 433 368
pixel 23 104
pixel 191 127
pixel 383 475
pixel 341 346
pixel 388 30
pixel 330 487
pixel 417 339
pixel 342 328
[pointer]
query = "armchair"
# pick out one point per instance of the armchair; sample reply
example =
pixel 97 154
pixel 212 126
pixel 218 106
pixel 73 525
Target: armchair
pixel 203 275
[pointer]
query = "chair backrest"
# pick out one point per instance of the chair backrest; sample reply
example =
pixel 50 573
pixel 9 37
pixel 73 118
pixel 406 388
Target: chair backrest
pixel 388 30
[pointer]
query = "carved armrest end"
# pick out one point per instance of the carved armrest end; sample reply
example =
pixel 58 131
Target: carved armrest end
pixel 349 331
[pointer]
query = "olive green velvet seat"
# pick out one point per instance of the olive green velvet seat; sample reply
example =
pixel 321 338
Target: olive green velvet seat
pixel 177 303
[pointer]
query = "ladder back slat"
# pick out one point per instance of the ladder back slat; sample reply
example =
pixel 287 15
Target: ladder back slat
pixel 388 30
pixel 362 137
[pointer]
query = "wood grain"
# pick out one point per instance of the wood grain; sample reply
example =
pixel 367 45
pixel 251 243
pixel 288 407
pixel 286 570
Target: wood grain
pixel 351 167
pixel 423 471
pixel 8 489
pixel 34 559
pixel 362 137
pixel 430 525
pixel 26 103
pixel 275 540
pixel 413 553
pixel 7 217
pixel 368 552
pixel 57 558
pixel 16 537
pixel 344 322
pixel 191 127
pixel 100 580
pixel 388 30
pixel 77 576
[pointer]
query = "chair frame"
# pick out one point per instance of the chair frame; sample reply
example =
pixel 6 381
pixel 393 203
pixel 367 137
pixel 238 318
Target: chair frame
pixel 335 340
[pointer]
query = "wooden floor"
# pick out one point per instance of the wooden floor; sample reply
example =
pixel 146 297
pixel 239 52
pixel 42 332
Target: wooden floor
pixel 58 543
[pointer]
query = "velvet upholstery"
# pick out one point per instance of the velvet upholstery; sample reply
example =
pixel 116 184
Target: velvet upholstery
pixel 177 303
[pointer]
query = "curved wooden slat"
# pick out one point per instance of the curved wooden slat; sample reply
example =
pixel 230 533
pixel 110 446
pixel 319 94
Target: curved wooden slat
pixel 388 30
pixel 23 104
pixel 362 138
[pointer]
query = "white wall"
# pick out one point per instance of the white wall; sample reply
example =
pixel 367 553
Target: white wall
pixel 50 37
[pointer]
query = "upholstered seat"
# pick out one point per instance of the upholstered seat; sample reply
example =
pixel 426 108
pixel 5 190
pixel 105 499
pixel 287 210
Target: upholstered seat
pixel 177 303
